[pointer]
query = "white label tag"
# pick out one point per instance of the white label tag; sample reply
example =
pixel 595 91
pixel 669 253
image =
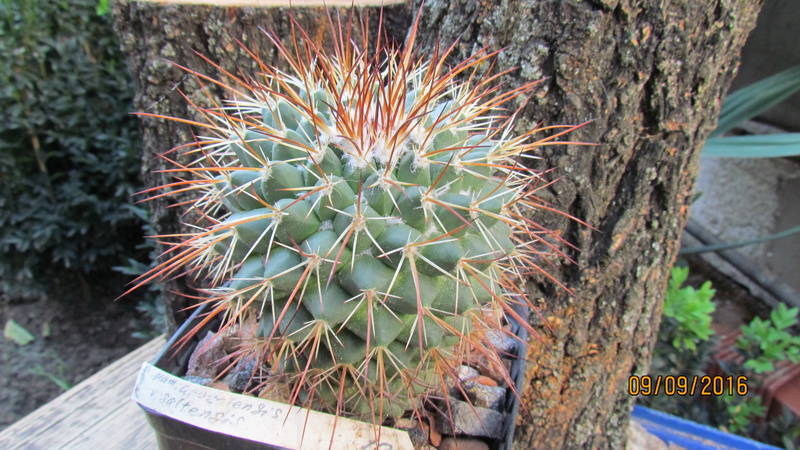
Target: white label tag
pixel 257 419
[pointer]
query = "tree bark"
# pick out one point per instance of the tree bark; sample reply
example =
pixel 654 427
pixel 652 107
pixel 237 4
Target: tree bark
pixel 648 74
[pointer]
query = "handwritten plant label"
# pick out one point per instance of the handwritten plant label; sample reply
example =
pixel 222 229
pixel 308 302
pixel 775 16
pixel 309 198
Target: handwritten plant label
pixel 257 419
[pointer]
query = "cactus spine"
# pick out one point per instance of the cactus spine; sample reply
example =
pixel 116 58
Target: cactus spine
pixel 372 213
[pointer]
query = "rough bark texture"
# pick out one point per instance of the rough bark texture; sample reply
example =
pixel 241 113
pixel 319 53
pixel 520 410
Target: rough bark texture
pixel 154 36
pixel 649 73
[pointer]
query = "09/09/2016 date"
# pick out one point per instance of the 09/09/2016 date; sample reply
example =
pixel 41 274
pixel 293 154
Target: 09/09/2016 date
pixel 669 385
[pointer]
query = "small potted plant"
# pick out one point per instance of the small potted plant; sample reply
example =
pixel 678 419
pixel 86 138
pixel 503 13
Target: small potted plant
pixel 368 220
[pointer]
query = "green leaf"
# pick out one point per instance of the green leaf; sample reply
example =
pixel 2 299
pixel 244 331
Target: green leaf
pixel 103 7
pixel 784 318
pixel 759 366
pixel 59 379
pixel 17 333
pixel 752 100
pixel 757 146
pixel 690 311
pixel 678 277
pixel 728 246
pixel 743 411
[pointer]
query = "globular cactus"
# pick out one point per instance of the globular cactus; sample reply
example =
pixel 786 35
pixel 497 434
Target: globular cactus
pixel 373 213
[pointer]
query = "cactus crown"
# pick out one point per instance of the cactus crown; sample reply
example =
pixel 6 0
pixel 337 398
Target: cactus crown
pixel 372 212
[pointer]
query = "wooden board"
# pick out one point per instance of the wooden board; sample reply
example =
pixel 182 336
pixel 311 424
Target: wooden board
pixel 96 414
pixel 281 3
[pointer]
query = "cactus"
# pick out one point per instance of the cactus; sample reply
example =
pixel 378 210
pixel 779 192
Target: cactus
pixel 373 214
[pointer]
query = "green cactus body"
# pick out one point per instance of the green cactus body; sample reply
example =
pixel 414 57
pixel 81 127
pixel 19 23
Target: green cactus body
pixel 375 223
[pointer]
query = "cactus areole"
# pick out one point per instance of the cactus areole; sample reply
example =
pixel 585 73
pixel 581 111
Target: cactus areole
pixel 373 214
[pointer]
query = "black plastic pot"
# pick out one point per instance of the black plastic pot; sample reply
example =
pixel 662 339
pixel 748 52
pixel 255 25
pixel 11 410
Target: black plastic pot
pixel 157 382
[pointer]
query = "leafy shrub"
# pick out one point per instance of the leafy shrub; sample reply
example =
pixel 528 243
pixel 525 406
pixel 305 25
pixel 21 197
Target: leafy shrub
pixel 683 345
pixel 152 318
pixel 687 312
pixel 68 145
pixel 742 411
pixel 765 342
pixel 682 348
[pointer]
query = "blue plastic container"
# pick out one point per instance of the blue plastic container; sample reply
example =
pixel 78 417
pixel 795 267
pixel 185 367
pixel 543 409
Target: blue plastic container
pixel 690 435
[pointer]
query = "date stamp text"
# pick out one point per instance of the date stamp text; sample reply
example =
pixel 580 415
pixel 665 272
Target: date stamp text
pixel 651 385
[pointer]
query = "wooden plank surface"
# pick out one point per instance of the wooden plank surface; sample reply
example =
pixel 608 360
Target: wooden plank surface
pixel 281 3
pixel 96 414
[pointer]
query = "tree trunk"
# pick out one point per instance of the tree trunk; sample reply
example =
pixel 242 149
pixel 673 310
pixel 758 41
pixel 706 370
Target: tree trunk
pixel 648 73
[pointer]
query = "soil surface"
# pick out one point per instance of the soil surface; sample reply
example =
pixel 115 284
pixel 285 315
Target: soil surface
pixel 78 331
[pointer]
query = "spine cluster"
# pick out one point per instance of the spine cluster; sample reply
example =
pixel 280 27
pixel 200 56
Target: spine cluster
pixel 372 212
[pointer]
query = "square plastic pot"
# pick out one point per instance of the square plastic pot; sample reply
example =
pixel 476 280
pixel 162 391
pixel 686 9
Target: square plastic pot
pixel 188 416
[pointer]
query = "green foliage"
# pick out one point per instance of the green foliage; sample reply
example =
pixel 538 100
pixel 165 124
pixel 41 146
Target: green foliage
pixel 765 342
pixel 742 411
pixel 754 146
pixel 153 319
pixel 752 100
pixel 786 429
pixel 743 105
pixel 57 377
pixel 68 145
pixel 17 333
pixel 683 343
pixel 687 312
pixel 103 7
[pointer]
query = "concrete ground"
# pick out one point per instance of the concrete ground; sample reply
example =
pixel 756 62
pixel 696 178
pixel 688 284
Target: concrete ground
pixel 743 199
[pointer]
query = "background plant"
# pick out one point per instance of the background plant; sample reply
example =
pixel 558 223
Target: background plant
pixel 152 319
pixel 738 107
pixel 684 341
pixel 764 342
pixel 58 375
pixel 69 149
pixel 687 312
